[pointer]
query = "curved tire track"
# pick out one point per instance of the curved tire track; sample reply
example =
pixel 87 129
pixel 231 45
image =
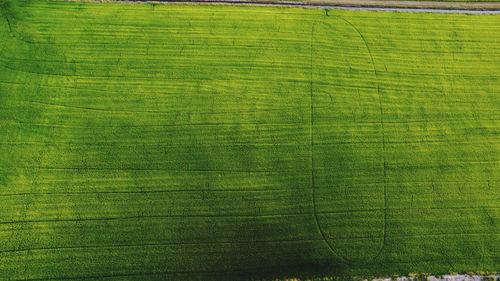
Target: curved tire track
pixel 383 135
pixel 315 212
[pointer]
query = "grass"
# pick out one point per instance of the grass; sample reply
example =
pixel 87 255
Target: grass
pixel 215 142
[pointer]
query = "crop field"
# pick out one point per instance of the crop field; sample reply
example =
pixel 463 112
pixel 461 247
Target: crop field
pixel 179 142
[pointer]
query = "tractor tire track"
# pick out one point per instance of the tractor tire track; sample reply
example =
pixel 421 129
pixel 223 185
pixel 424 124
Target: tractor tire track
pixel 379 95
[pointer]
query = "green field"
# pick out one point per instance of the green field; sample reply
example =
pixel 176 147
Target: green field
pixel 180 142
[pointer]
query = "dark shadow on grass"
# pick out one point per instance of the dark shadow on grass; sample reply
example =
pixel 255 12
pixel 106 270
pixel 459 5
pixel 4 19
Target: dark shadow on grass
pixel 276 260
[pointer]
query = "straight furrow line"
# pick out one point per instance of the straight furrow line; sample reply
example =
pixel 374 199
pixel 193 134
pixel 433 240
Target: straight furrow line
pixel 233 190
pixel 155 169
pixel 152 217
pixel 156 244
pixel 245 242
pixel 162 145
pixel 172 112
pixel 252 216
pixel 114 143
pixel 148 191
pixel 163 125
pixel 171 216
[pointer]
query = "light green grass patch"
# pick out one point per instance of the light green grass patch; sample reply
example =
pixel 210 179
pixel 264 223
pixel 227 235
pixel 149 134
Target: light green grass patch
pixel 217 142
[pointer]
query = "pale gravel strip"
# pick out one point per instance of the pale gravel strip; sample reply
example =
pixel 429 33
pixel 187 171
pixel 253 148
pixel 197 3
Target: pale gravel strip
pixel 445 277
pixel 477 8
